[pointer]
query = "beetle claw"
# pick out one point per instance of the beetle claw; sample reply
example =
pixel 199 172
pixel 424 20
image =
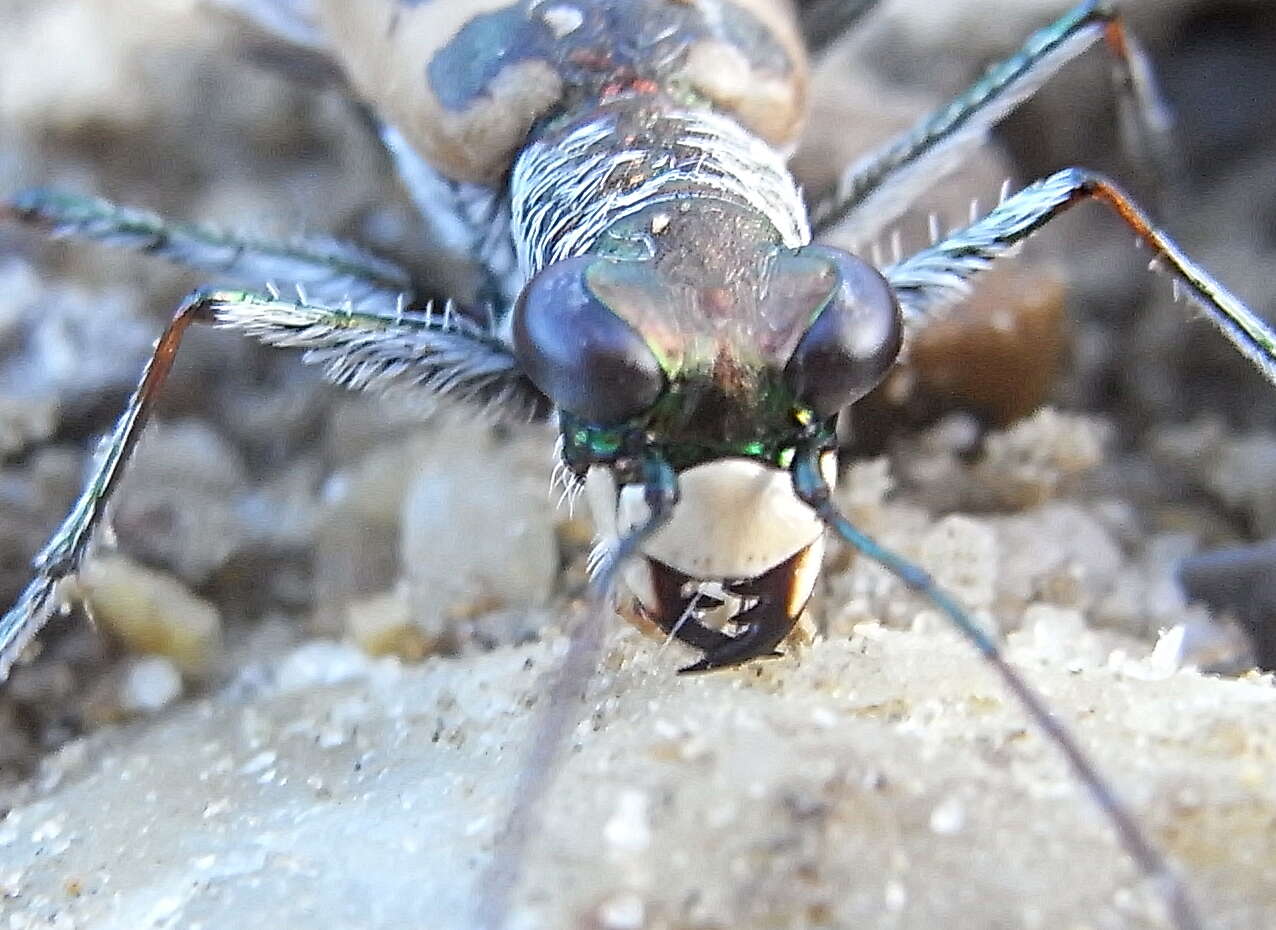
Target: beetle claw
pixel 762 627
pixel 676 614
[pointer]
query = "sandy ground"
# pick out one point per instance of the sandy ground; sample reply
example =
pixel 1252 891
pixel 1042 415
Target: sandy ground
pixel 219 749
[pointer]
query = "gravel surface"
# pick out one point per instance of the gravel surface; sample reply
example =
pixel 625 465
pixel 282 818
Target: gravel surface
pixel 326 622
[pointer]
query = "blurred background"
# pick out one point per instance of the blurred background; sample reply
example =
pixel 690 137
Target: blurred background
pixel 265 507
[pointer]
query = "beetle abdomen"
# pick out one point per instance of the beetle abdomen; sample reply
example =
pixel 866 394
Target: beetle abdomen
pixel 466 80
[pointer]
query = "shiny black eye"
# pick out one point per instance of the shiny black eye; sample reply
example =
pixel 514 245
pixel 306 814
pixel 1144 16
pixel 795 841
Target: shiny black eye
pixel 585 358
pixel 853 341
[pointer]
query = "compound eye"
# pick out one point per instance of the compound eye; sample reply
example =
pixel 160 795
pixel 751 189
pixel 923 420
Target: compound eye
pixel 584 357
pixel 854 340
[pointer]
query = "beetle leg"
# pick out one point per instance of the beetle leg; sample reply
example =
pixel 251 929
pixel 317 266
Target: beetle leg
pixel 826 21
pixel 327 270
pixel 936 278
pixel 426 354
pixel 63 554
pixel 811 487
pixel 876 189
pixel 469 221
pixel 433 353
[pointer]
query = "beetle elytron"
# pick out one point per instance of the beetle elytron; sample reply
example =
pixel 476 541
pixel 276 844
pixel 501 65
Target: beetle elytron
pixel 652 279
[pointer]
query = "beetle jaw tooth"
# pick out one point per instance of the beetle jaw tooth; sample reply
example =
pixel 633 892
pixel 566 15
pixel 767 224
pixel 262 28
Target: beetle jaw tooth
pixel 769 608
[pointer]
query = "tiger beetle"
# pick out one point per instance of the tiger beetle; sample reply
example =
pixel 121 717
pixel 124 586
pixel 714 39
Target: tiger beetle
pixel 654 285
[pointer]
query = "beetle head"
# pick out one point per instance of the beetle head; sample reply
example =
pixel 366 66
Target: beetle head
pixel 718 363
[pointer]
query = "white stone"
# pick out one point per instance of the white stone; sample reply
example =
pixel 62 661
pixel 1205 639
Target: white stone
pixel 477 533
pixel 150 684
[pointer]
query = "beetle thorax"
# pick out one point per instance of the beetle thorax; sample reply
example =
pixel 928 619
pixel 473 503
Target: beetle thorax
pixel 581 179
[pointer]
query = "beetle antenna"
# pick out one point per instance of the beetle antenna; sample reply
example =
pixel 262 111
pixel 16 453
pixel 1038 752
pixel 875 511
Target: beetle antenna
pixel 687 613
pixel 660 491
pixel 810 487
pixel 561 710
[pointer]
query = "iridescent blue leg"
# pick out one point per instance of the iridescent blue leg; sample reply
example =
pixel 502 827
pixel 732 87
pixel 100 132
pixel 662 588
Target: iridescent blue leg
pixel 876 189
pixel 329 271
pixel 938 277
pixel 810 486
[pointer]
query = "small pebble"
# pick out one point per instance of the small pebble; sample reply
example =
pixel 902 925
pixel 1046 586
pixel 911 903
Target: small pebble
pixel 962 553
pixel 382 625
pixel 1060 634
pixel 948 817
pixel 894 896
pixel 151 683
pixel 321 663
pixel 629 828
pixel 259 762
pixel 152 612
pixel 477 531
pixel 624 911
